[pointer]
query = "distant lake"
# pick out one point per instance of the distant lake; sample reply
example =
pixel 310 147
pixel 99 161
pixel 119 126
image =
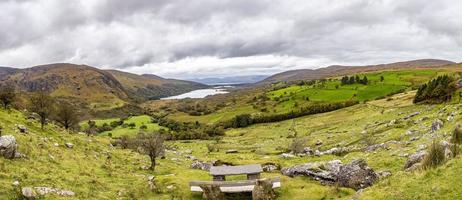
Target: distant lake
pixel 197 94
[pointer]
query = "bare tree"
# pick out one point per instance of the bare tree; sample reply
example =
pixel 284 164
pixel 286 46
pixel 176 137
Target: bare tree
pixel 7 94
pixel 91 127
pixel 66 115
pixel 151 144
pixel 42 104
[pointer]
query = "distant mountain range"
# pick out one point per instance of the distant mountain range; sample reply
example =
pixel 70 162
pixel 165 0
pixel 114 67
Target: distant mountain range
pixel 231 80
pixel 94 86
pixel 335 70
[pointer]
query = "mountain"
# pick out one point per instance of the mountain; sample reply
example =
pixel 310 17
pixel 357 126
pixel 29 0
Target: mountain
pixel 231 80
pixel 334 70
pixel 95 87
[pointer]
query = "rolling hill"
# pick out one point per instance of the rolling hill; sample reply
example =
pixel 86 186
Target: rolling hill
pixel 335 70
pixel 101 89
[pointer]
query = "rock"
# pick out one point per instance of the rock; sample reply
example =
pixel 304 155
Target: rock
pixel 415 158
pixel 315 170
pixel 29 193
pixel 47 190
pixel 15 183
pixel 411 115
pixel 170 187
pixel 421 147
pixel 336 151
pixel 287 155
pixel 231 151
pixel 308 151
pixel 375 147
pixel 8 146
pixel 356 175
pixel 22 128
pixel 69 145
pixel 19 155
pixel 384 174
pixel 333 166
pixel 201 165
pixel 263 190
pixel 191 157
pixel 414 139
pixel 437 124
pixel 269 167
pixel 188 151
pixel 318 142
pixel 56 144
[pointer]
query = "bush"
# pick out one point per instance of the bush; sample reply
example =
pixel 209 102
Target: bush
pixel 297 145
pixel 435 157
pixel 143 127
pixel 437 90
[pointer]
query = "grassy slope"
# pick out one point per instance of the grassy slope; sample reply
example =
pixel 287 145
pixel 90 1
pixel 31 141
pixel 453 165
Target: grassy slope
pixel 119 131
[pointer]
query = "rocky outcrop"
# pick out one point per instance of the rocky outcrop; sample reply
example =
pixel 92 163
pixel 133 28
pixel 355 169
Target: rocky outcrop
pixel 269 167
pixel 414 159
pixel 36 192
pixel 8 146
pixel 201 165
pixel 437 124
pixel 356 175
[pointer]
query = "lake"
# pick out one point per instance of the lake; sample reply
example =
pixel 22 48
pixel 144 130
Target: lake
pixel 197 94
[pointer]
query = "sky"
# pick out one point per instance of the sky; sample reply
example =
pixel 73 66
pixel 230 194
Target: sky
pixel 216 38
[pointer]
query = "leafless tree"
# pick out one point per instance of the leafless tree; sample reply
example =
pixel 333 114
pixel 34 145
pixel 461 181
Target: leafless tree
pixel 42 104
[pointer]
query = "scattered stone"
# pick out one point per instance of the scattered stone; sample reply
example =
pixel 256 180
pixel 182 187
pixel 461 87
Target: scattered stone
pixel 414 159
pixel 56 144
pixel 8 146
pixel 336 151
pixel 15 183
pixel 287 155
pixel 414 139
pixel 411 115
pixel 188 151
pixel 201 165
pixel 421 147
pixel 318 142
pixel 69 145
pixel 436 125
pixel 231 151
pixel 29 193
pixel 384 174
pixel 308 151
pixel 190 157
pixel 356 175
pixel 374 147
pixel 170 187
pixel 22 128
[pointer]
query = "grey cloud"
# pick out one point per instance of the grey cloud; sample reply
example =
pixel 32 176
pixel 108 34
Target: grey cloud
pixel 140 34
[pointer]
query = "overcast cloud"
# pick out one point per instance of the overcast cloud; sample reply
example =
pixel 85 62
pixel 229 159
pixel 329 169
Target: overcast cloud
pixel 203 38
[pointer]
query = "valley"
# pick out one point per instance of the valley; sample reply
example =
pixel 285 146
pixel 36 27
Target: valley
pixel 286 127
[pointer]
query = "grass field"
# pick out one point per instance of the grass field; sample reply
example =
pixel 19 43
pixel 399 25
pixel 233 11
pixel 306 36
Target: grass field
pixel 119 130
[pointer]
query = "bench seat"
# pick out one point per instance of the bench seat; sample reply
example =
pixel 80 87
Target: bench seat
pixel 232 186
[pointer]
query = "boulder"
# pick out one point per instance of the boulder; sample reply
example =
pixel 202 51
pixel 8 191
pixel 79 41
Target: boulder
pixel 8 146
pixel 318 142
pixel 414 159
pixel 374 147
pixel 437 124
pixel 47 190
pixel 269 167
pixel 336 151
pixel 29 193
pixel 356 175
pixel 22 128
pixel 69 145
pixel 315 170
pixel 287 155
pixel 231 151
pixel 201 165
pixel 384 174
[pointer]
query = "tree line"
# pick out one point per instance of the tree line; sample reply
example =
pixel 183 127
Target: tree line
pixel 245 120
pixel 437 90
pixel 43 106
pixel 348 80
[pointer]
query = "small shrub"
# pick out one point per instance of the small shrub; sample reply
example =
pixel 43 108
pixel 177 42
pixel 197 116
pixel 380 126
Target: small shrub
pixel 143 127
pixel 297 145
pixel 435 157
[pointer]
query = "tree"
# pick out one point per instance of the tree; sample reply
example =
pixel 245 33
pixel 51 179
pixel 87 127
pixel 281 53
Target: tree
pixel 66 115
pixel 7 94
pixel 151 144
pixel 382 78
pixel 352 80
pixel 364 81
pixel 91 127
pixel 42 104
